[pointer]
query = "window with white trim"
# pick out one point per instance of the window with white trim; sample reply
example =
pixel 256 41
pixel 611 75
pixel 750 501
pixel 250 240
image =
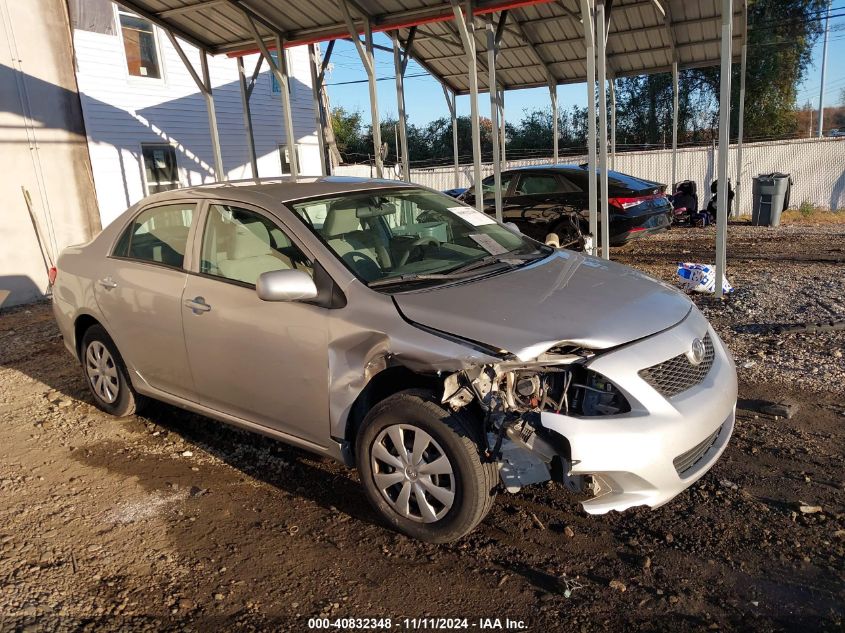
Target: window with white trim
pixel 161 173
pixel 139 43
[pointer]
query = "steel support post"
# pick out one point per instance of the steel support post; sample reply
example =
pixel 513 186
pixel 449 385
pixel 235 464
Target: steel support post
pixel 212 119
pixel 555 131
pixel 741 118
pixel 612 122
pixel 204 86
pixel 280 68
pixel 250 136
pixel 365 52
pixel 674 126
pixel 374 113
pixel 399 69
pixel 494 115
pixel 502 124
pixel 314 66
pixel 451 102
pixel 824 69
pixel 466 28
pixel 601 31
pixel 590 45
pixel 724 139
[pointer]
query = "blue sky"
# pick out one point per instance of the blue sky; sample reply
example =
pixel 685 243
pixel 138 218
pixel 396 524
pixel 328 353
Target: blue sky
pixel 425 101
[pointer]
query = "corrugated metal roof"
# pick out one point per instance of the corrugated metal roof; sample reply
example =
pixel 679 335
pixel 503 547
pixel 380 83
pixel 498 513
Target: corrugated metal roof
pixel 541 37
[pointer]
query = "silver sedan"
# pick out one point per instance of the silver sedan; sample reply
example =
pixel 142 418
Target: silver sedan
pixel 443 354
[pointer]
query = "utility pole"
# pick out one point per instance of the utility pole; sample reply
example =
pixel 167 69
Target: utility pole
pixel 824 66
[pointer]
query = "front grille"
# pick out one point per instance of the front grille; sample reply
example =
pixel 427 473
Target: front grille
pixel 685 462
pixel 678 374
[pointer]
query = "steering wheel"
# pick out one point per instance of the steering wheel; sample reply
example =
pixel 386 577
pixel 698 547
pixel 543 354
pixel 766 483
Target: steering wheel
pixel 363 264
pixel 416 244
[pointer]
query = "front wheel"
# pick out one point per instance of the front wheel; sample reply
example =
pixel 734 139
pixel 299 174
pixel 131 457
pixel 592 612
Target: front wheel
pixel 422 469
pixel 569 234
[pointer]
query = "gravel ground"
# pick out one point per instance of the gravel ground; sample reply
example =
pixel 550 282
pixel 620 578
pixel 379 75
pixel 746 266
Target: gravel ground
pixel 174 522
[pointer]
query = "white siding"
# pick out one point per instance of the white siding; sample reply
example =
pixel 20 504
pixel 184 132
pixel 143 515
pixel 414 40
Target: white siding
pixel 122 111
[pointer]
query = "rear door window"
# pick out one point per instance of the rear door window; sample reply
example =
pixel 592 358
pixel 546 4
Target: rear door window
pixel 158 235
pixel 531 184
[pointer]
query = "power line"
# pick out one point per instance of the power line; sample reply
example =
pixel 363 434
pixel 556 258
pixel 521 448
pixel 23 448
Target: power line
pixel 363 81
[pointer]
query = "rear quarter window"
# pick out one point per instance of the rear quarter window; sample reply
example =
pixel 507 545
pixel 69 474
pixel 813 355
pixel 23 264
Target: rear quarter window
pixel 158 235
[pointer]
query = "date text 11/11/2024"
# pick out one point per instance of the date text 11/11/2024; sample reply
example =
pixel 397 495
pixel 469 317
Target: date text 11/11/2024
pixel 418 624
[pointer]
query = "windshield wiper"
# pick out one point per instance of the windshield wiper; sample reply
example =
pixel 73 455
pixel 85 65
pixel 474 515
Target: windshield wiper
pixel 462 272
pixel 410 277
pixel 504 258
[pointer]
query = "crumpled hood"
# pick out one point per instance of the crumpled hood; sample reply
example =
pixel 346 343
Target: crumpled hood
pixel 567 297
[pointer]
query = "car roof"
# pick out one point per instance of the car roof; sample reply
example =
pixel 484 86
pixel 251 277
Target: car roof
pixel 284 189
pixel 618 178
pixel 558 167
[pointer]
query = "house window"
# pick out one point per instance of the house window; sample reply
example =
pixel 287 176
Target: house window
pixel 284 154
pixel 139 42
pixel 160 169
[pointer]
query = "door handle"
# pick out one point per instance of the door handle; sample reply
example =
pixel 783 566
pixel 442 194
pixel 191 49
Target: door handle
pixel 197 305
pixel 108 283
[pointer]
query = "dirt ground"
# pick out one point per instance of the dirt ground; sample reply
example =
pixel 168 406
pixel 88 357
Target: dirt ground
pixel 172 521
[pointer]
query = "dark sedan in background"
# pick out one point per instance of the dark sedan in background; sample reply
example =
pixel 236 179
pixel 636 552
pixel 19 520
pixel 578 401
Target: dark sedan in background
pixel 554 199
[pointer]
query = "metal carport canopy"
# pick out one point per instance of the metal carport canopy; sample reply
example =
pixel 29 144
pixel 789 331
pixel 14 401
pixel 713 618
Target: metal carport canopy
pixel 541 37
pixel 534 43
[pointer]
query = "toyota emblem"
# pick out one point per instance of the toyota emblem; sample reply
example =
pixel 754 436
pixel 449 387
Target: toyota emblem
pixel 697 352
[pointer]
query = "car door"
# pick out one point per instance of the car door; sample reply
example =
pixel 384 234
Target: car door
pixel 488 188
pixel 140 295
pixel 265 362
pixel 530 203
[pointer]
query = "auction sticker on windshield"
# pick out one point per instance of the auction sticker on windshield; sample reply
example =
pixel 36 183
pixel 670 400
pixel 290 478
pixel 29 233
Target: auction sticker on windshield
pixel 488 243
pixel 474 217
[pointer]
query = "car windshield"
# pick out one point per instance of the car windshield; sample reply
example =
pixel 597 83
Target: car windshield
pixel 413 235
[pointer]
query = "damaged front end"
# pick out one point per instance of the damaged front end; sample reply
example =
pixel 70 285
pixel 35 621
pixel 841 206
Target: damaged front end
pixel 511 396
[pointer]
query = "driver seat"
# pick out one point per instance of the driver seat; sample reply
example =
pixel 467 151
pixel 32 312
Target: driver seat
pixel 358 246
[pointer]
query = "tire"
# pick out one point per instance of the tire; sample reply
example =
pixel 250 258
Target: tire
pixel 409 416
pixel 570 234
pixel 105 374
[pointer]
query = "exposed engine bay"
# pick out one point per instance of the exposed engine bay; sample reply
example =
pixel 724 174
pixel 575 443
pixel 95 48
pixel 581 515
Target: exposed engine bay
pixel 512 395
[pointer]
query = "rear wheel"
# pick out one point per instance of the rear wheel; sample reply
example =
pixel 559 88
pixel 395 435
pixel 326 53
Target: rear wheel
pixel 106 375
pixel 421 468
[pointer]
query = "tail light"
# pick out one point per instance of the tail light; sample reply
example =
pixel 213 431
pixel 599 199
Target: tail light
pixel 52 274
pixel 627 203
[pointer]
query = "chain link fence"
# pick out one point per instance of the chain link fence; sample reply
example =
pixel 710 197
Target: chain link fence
pixel 817 167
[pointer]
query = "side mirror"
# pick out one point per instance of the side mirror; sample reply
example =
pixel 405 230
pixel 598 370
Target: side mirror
pixel 286 285
pixel 513 227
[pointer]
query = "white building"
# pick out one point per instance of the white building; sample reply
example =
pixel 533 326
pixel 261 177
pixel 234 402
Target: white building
pixel 146 121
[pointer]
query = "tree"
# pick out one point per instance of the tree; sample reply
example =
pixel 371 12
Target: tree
pixel 644 109
pixel 780 40
pixel 780 44
pixel 533 134
pixel 347 131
